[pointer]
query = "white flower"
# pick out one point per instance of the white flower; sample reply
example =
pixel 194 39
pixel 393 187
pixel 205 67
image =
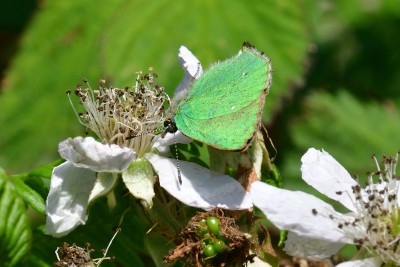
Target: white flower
pixel 317 231
pixel 75 182
pixel 125 121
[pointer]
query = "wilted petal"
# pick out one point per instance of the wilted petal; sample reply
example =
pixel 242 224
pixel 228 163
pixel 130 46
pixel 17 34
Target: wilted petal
pixel 313 249
pixel 162 144
pixel 139 179
pixel 192 68
pixel 299 212
pixel 201 187
pixel 88 153
pixel 324 173
pixel 370 262
pixel 68 198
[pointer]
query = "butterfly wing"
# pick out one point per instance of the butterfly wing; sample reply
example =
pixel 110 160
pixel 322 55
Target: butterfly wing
pixel 223 107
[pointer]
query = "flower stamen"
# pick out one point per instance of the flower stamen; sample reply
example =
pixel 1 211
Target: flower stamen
pixel 126 117
pixel 375 224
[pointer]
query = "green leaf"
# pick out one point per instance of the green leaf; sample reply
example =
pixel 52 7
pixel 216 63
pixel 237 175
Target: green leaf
pixel 193 152
pixel 29 195
pixel 157 250
pixel 31 188
pixel 351 131
pixel 69 40
pixel 43 171
pixel 356 48
pixel 128 246
pixel 15 233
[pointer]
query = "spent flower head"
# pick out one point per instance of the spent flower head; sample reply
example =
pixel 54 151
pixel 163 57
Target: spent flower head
pixel 125 121
pixel 125 117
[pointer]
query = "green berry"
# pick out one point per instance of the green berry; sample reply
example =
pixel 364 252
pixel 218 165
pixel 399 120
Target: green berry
pixel 202 222
pixel 203 231
pixel 206 235
pixel 219 246
pixel 209 251
pixel 213 224
pixel 221 237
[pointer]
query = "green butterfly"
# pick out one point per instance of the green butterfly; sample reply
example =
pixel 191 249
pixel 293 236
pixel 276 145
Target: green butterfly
pixel 223 107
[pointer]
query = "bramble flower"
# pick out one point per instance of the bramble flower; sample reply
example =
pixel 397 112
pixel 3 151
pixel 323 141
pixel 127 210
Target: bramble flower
pixel 317 231
pixel 126 122
pixel 92 167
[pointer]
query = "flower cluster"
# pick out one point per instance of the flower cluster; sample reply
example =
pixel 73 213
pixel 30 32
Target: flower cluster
pixel 128 123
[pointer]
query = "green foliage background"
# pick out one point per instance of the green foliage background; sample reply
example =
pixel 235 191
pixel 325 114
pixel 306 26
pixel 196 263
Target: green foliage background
pixel 335 85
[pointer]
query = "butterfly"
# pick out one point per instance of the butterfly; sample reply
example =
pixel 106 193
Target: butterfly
pixel 223 107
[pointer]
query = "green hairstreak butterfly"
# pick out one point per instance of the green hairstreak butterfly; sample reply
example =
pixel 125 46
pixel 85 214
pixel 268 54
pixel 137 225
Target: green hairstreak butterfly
pixel 223 107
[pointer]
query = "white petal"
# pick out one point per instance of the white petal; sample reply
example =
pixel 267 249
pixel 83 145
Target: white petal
pixel 139 179
pixel 370 262
pixel 192 68
pixel 324 173
pixel 312 249
pixel 68 198
pixel 88 153
pixel 201 187
pixel 162 144
pixel 293 211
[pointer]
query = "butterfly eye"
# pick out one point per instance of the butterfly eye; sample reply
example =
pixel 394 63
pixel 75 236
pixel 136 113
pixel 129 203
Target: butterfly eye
pixel 169 127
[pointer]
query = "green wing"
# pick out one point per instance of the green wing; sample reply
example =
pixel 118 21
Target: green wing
pixel 227 132
pixel 223 107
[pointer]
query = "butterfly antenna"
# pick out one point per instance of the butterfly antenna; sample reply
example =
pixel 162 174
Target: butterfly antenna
pixel 170 127
pixel 177 160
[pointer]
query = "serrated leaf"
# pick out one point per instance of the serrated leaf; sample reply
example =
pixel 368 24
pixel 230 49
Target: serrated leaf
pixel 31 186
pixel 113 40
pixel 352 44
pixel 15 233
pixel 127 248
pixel 29 195
pixel 350 130
pixel 43 171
